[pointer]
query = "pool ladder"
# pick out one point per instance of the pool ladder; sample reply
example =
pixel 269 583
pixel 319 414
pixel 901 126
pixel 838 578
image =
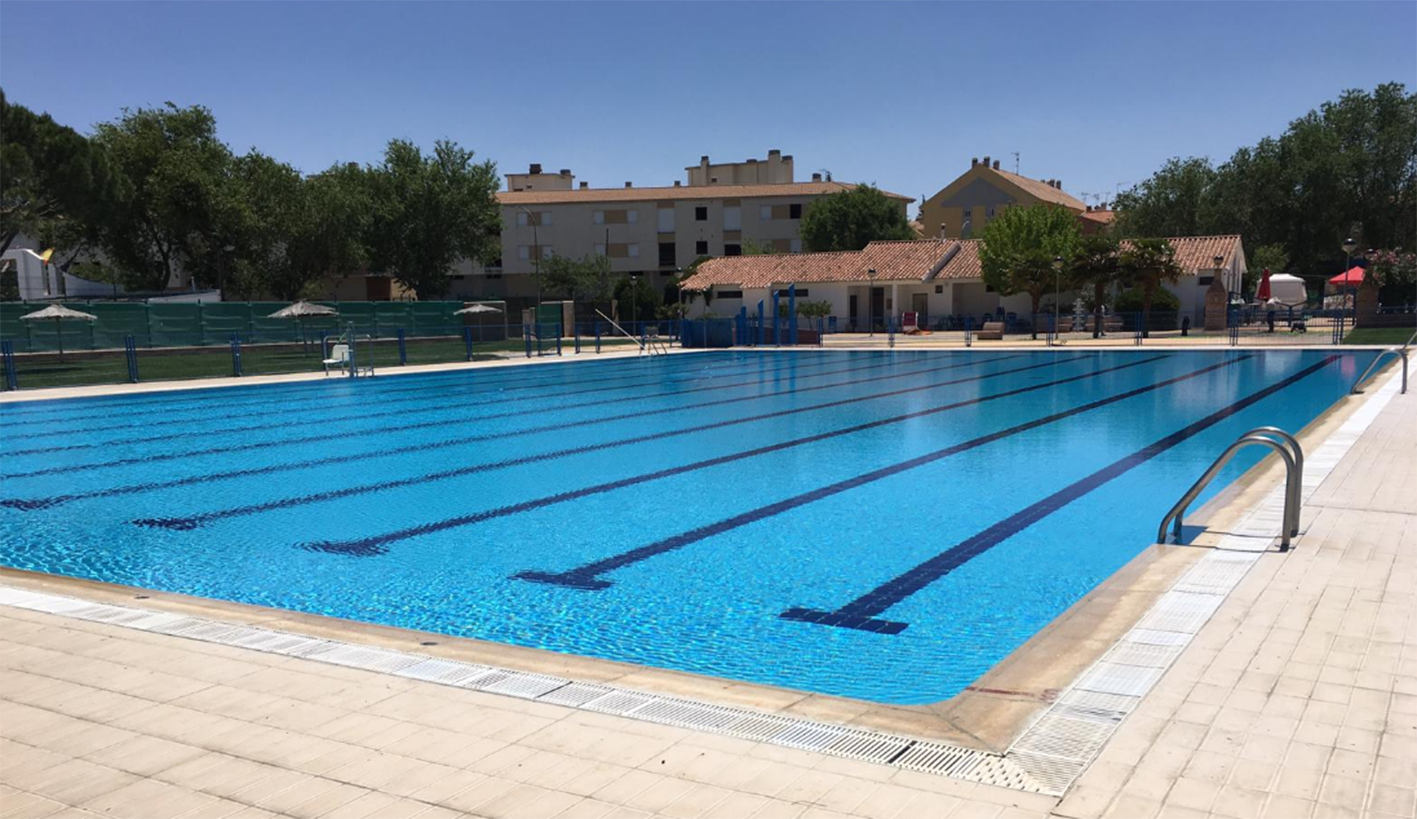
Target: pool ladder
pixel 1400 352
pixel 1288 448
pixel 649 344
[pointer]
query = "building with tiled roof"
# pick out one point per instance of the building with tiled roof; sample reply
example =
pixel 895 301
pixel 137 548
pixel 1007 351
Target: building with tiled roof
pixel 931 277
pixel 722 209
pixel 962 208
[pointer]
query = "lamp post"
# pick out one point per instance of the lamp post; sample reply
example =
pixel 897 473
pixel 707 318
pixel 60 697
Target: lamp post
pixel 634 298
pixel 1057 291
pixel 1348 247
pixel 871 302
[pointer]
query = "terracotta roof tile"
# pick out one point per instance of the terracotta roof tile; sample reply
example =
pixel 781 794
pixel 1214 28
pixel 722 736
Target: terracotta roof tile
pixel 695 192
pixel 908 261
pixel 1043 191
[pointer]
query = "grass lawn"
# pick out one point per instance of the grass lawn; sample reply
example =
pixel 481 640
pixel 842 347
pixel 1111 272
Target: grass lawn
pixel 160 365
pixel 1379 335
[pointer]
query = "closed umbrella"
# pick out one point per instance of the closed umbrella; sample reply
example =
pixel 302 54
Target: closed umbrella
pixel 1263 293
pixel 302 310
pixel 58 312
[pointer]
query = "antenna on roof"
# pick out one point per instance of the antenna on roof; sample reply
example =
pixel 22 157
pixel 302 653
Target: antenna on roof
pixel 826 174
pixel 1015 153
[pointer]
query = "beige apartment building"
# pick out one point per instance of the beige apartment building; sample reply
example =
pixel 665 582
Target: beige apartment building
pixel 961 209
pixel 648 231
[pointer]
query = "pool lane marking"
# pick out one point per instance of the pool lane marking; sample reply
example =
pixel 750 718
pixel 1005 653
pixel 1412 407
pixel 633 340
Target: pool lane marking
pixel 863 612
pixel 376 544
pixel 193 521
pixel 437 422
pixel 588 576
pixel 352 401
pixel 27 504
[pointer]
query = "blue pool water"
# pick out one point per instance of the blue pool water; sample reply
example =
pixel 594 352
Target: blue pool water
pixel 879 525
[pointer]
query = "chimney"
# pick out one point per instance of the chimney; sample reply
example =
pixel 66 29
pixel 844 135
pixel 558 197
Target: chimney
pixel 974 162
pixel 816 177
pixel 565 171
pixel 986 161
pixel 703 160
pixel 996 164
pixel 1058 183
pixel 536 167
pixel 585 185
pixel 676 183
pixel 774 153
pixel 629 184
pixel 752 161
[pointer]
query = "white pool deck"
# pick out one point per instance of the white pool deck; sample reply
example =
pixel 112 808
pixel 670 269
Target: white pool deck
pixel 1297 698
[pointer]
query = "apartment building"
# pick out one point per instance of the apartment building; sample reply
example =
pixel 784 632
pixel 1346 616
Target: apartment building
pixel 649 231
pixel 961 209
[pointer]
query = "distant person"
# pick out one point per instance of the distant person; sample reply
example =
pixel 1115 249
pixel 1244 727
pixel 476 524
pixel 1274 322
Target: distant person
pixel 1269 319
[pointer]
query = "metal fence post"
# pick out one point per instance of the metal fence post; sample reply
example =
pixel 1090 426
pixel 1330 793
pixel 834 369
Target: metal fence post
pixel 890 331
pixel 1137 330
pixel 403 351
pixel 792 314
pixel 130 352
pixel 969 331
pixel 235 355
pixel 597 337
pixel 526 334
pixel 7 354
pixel 466 340
pixel 576 333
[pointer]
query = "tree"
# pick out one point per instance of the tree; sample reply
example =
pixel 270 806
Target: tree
pixel 587 279
pixel 1020 248
pixel 636 300
pixel 852 219
pixel 1170 203
pixel 1266 257
pixel 1146 264
pixel 170 206
pixel 52 177
pixel 1096 265
pixel 1396 273
pixel 430 211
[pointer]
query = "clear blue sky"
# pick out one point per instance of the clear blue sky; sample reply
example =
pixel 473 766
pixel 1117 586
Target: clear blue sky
pixel 902 95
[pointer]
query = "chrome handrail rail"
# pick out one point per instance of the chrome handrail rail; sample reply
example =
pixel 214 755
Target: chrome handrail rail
pixel 624 332
pixel 1401 352
pixel 1288 448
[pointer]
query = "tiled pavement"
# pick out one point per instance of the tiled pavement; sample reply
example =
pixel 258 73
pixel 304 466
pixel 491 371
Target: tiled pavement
pixel 1298 699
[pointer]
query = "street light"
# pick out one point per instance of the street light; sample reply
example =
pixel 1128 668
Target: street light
pixel 634 298
pixel 871 302
pixel 1348 246
pixel 1057 293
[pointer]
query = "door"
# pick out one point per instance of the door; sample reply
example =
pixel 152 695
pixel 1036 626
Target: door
pixel 852 311
pixel 920 305
pixel 878 305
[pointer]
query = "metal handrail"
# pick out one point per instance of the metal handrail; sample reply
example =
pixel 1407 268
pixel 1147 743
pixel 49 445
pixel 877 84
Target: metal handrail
pixel 624 333
pixel 1288 448
pixel 1401 352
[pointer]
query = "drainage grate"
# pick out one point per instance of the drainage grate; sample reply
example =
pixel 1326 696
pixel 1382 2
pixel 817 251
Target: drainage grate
pixel 1112 678
pixel 575 695
pixel 1143 654
pixel 808 736
pixel 1060 736
pixel 869 746
pixel 685 714
pixel 1052 774
pixel 618 702
pixel 524 686
pixel 444 672
pixel 369 659
pixel 938 758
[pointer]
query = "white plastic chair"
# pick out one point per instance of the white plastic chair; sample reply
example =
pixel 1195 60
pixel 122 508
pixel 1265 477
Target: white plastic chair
pixel 339 357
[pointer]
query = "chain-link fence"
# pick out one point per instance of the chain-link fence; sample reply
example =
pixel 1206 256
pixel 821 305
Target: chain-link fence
pixel 313 349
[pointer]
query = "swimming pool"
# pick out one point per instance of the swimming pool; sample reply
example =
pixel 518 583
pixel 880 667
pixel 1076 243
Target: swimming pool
pixel 881 525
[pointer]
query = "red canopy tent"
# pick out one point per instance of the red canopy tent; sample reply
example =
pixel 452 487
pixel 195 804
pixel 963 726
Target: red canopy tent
pixel 1350 278
pixel 1263 294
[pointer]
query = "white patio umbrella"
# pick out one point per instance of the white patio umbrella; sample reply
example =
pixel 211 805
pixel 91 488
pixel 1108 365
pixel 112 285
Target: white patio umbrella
pixel 58 312
pixel 476 308
pixel 302 310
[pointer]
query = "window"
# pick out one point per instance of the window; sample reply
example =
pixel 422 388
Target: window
pixel 666 220
pixel 801 293
pixel 495 264
pixel 701 214
pixel 795 246
pixel 632 250
pixel 765 212
pixel 616 217
pixel 1204 281
pixel 939 288
pixel 524 252
pixel 968 214
pixel 728 294
pixel 525 218
pixel 700 248
pixel 598 217
pixel 794 211
pixel 989 212
pixel 666 254
pixel 733 218
pixel 528 252
pixel 988 289
pixel 733 250
pixel 600 250
pixel 632 217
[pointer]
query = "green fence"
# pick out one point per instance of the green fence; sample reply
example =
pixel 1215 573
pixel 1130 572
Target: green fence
pixel 194 324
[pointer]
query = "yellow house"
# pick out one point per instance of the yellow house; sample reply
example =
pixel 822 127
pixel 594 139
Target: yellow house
pixel 964 206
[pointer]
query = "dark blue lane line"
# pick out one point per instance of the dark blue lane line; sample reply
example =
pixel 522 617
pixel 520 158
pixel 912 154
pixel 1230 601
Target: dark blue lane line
pixel 862 613
pixel 353 402
pixel 589 576
pixel 26 504
pixel 435 423
pixel 60 410
pixel 377 544
pixel 193 521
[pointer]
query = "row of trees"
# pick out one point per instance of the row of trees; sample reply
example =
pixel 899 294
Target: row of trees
pixel 1346 170
pixel 1040 250
pixel 156 191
